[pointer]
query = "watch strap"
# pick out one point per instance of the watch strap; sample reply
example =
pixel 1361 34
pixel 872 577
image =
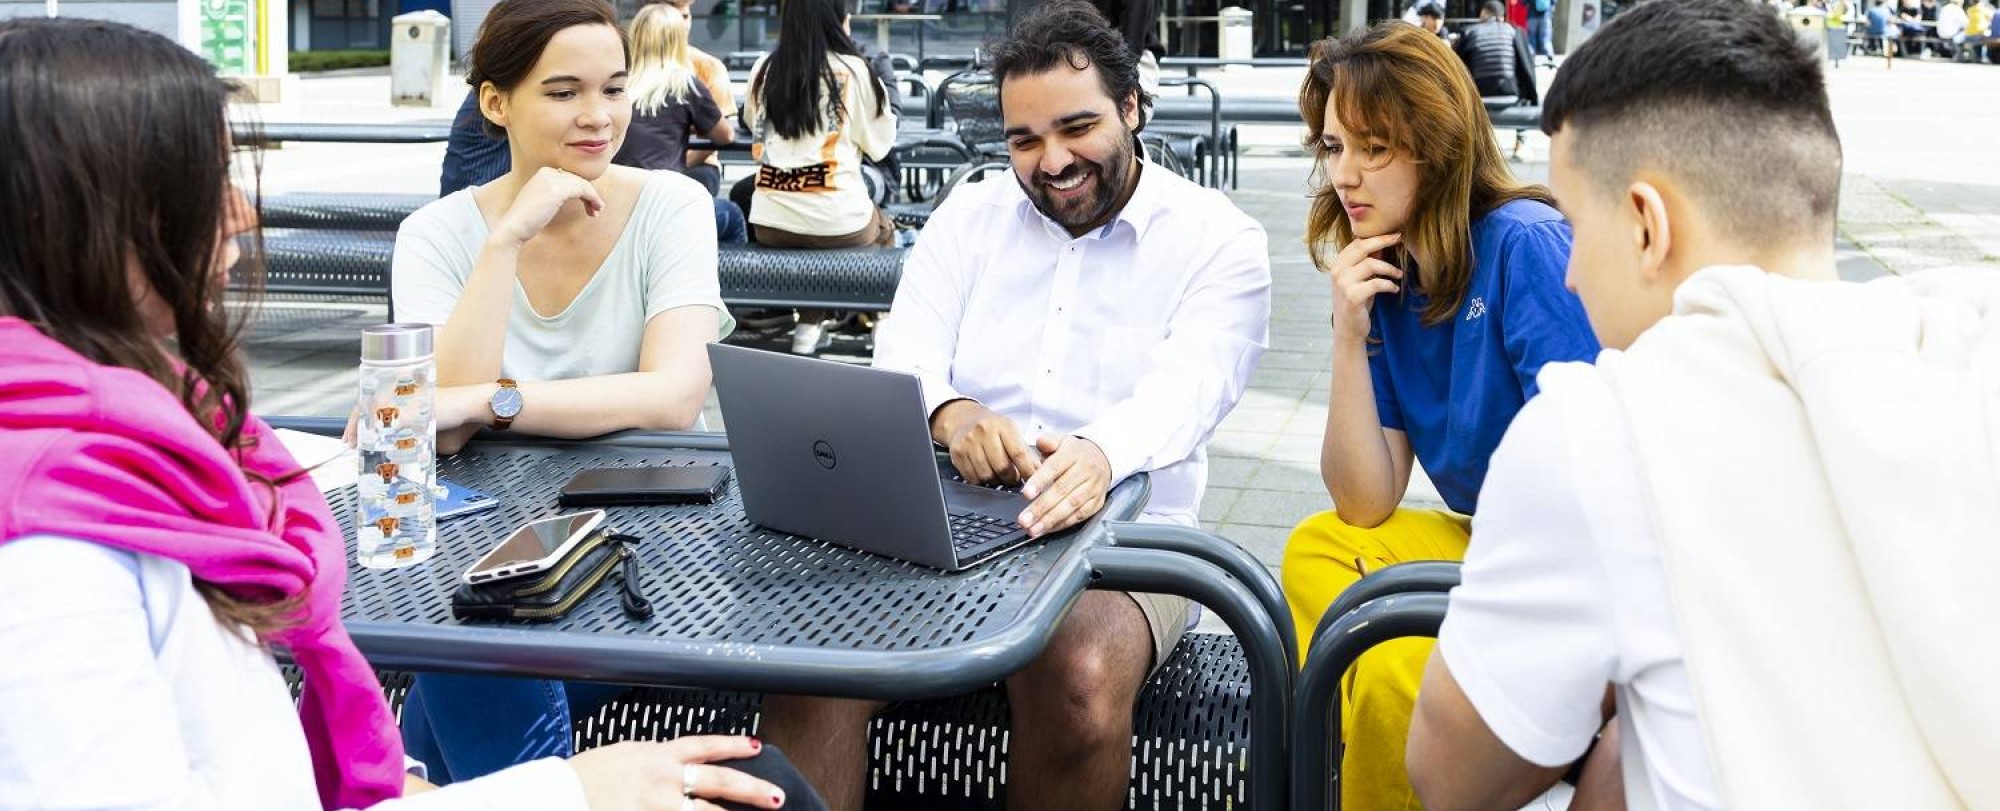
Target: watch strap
pixel 501 423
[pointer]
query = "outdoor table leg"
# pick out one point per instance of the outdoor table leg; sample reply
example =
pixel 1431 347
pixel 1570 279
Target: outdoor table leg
pixel 1316 736
pixel 1231 558
pixel 1152 570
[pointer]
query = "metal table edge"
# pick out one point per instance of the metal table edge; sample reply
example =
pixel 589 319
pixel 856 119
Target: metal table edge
pixel 872 674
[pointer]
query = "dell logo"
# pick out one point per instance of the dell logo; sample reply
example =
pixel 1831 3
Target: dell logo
pixel 823 454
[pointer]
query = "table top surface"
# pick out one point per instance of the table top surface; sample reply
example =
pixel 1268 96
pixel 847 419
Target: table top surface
pixel 737 605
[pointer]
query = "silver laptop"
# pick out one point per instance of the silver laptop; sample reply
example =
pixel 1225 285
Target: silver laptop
pixel 843 453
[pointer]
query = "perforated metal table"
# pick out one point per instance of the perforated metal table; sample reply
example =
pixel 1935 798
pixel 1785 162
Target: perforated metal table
pixel 740 607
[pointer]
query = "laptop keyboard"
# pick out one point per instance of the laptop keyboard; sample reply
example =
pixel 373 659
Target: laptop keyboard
pixel 974 535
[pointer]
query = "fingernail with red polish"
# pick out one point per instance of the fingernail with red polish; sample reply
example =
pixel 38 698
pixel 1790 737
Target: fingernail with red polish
pixel 756 744
pixel 777 800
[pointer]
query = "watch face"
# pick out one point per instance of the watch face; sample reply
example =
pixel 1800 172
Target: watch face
pixel 507 402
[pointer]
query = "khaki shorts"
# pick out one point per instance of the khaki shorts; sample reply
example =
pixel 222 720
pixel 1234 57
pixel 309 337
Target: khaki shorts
pixel 1167 618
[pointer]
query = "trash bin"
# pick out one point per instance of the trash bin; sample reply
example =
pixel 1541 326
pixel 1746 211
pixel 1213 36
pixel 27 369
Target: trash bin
pixel 419 58
pixel 1233 34
pixel 1810 24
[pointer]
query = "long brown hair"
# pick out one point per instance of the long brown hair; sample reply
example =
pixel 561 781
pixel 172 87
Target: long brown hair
pixel 1393 84
pixel 113 164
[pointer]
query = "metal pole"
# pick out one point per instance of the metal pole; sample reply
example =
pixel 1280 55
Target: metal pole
pixel 1151 570
pixel 51 7
pixel 1316 699
pixel 1215 549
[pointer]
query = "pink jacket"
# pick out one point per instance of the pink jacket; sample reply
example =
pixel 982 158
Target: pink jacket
pixel 104 454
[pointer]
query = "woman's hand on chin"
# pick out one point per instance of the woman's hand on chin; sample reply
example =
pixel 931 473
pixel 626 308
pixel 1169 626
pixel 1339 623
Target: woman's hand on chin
pixel 540 200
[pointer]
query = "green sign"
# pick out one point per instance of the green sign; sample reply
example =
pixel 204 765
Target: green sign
pixel 225 35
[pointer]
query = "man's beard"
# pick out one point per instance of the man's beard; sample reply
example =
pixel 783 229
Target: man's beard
pixel 1109 187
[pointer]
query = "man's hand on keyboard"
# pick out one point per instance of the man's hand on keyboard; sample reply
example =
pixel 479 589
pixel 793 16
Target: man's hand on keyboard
pixel 985 447
pixel 1068 488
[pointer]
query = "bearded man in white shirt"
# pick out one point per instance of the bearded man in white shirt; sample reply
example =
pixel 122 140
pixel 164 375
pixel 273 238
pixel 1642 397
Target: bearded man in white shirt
pixel 1094 319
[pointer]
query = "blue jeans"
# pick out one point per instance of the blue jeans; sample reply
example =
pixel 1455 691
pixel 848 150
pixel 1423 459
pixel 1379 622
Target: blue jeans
pixel 1541 35
pixel 464 727
pixel 730 226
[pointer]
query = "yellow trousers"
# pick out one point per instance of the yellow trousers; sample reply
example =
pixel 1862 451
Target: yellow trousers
pixel 1322 558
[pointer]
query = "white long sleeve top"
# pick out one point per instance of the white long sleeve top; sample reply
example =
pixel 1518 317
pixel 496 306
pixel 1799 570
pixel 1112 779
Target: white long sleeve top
pixel 120 690
pixel 1140 335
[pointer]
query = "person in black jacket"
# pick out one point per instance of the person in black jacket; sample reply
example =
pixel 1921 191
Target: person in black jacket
pixel 1497 55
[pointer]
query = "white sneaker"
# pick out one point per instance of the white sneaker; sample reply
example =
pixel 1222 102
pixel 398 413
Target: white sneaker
pixel 809 337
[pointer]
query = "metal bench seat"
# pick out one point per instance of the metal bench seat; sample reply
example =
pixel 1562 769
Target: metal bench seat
pixel 1190 145
pixel 840 279
pixel 1191 727
pixel 340 211
pixel 327 262
pixel 356 263
pixel 1517 118
pixel 1235 110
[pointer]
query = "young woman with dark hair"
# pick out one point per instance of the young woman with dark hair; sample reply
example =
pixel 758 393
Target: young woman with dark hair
pixel 155 536
pixel 573 297
pixel 817 109
pixel 1448 298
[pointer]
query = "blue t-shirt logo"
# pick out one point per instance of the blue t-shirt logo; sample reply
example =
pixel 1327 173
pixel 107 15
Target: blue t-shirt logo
pixel 1476 309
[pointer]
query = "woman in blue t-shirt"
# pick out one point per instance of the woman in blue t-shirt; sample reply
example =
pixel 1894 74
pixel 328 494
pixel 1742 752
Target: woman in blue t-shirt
pixel 1448 298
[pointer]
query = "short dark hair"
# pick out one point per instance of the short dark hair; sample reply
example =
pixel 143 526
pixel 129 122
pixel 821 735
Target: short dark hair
pixel 1430 10
pixel 1722 95
pixel 1071 33
pixel 515 32
pixel 1495 8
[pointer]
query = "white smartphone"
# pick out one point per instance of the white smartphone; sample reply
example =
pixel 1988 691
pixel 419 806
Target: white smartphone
pixel 535 547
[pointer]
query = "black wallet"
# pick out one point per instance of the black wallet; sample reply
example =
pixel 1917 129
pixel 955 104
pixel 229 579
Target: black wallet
pixel 549 595
pixel 622 486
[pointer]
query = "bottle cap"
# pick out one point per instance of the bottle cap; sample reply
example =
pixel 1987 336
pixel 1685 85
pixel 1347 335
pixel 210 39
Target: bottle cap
pixel 396 342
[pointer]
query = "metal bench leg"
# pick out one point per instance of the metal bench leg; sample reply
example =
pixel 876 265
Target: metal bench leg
pixel 1229 557
pixel 1415 577
pixel 1316 701
pixel 1152 570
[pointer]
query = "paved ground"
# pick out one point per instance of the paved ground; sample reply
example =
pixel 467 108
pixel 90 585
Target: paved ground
pixel 1922 190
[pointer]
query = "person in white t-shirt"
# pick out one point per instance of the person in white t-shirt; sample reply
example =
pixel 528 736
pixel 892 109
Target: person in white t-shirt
pixel 1087 318
pixel 1951 25
pixel 573 297
pixel 1705 545
pixel 817 109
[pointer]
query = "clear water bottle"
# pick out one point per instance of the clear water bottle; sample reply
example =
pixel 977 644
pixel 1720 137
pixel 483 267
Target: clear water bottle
pixel 396 514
